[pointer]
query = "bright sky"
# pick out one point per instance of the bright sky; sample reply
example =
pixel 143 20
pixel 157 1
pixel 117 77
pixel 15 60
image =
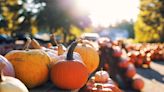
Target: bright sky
pixel 106 12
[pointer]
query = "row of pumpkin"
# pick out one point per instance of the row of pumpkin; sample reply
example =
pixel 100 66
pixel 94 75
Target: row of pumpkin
pixel 118 63
pixel 67 68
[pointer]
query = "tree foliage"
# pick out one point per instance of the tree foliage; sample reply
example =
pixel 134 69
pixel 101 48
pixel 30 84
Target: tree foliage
pixel 29 16
pixel 58 14
pixel 19 16
pixel 150 24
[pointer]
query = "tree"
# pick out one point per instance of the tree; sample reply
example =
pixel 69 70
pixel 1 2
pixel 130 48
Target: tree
pixel 18 16
pixel 58 14
pixel 150 23
pixel 24 16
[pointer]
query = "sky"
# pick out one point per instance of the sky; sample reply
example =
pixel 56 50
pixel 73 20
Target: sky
pixel 108 12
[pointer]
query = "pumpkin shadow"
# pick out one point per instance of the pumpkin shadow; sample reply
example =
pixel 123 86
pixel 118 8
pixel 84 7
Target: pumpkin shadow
pixel 151 74
pixel 159 62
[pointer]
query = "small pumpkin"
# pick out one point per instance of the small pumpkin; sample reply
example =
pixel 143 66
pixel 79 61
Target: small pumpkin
pixel 69 73
pixel 101 76
pixel 8 70
pixel 31 66
pixel 10 84
pixel 117 51
pixel 124 62
pixel 130 71
pixel 93 86
pixel 138 84
pixel 89 55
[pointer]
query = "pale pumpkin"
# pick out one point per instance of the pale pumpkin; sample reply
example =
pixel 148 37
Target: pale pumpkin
pixel 31 66
pixel 10 84
pixel 69 73
pixel 52 53
pixel 101 76
pixel 89 56
pixel 8 69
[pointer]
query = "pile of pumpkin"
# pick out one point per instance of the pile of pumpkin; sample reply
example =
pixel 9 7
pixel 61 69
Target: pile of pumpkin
pixel 67 68
pixel 117 63
pixel 144 54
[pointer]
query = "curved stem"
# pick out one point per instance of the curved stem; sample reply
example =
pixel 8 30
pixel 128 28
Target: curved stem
pixel 84 43
pixel 27 44
pixel 70 50
pixel 35 44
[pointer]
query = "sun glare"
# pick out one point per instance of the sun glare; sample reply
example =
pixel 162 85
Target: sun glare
pixel 107 12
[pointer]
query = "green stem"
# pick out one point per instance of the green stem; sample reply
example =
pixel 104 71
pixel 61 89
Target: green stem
pixel 70 50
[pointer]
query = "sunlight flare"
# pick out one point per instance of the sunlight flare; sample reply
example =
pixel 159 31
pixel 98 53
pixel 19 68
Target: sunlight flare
pixel 107 12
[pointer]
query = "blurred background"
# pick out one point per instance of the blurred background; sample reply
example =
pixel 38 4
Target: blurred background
pixel 138 20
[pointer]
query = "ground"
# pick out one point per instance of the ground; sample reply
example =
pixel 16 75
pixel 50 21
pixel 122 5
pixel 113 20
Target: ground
pixel 153 77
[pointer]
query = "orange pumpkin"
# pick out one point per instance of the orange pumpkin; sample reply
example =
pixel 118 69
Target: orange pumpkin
pixel 117 51
pixel 138 84
pixel 124 62
pixel 69 73
pixel 89 56
pixel 31 66
pixel 93 86
pixel 130 71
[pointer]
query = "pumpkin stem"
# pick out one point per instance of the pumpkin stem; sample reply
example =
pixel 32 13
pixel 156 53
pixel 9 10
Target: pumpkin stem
pixel 60 49
pixel 70 50
pixel 53 40
pixel 85 42
pixel 101 68
pixel 35 44
pixel 27 44
pixel 2 65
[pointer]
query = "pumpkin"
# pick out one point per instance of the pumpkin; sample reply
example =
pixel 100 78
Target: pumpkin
pixel 130 71
pixel 69 73
pixel 117 52
pixel 124 62
pixel 138 84
pixel 8 70
pixel 93 86
pixel 31 66
pixel 89 56
pixel 101 76
pixel 10 84
pixel 139 62
pixel 52 53
pixel 55 55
